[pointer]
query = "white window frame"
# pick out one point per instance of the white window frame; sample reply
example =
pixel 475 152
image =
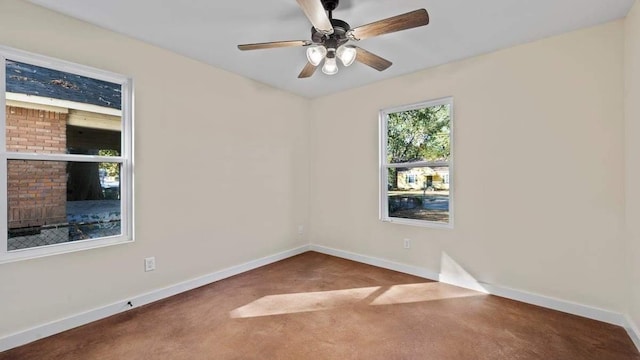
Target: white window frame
pixel 126 158
pixel 384 165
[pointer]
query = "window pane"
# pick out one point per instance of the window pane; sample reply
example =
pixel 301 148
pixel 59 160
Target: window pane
pixel 419 135
pixel 52 202
pixel 419 193
pixel 56 112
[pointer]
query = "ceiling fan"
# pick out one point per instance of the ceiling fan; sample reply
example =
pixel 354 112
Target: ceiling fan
pixel 330 37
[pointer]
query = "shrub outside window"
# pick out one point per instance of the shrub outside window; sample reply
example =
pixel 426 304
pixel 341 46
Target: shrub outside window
pixel 416 164
pixel 66 156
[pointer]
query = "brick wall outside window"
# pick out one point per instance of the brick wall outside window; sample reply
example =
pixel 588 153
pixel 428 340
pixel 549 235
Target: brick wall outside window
pixel 37 190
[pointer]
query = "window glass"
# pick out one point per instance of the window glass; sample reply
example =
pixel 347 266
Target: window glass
pixel 423 195
pixel 42 205
pixel 56 112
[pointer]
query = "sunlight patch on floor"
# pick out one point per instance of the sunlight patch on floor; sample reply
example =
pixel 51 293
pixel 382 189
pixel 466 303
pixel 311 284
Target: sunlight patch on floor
pixel 412 293
pixel 326 300
pixel 302 302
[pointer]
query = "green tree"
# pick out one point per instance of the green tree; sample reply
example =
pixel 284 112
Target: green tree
pixel 113 169
pixel 418 135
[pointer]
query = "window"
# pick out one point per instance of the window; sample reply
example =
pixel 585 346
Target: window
pixel 66 157
pixel 416 169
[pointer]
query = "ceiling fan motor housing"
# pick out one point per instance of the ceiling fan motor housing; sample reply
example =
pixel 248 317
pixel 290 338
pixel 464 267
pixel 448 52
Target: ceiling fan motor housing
pixel 340 29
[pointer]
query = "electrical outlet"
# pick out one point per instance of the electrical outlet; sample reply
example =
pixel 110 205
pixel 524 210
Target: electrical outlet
pixel 407 243
pixel 150 263
pixel 300 229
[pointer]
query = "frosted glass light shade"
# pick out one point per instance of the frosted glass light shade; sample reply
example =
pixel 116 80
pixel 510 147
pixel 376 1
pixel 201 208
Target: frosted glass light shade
pixel 346 54
pixel 315 54
pixel 330 66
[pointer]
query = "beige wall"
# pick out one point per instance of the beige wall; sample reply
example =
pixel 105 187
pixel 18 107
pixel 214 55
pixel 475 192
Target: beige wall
pixel 632 131
pixel 221 176
pixel 546 119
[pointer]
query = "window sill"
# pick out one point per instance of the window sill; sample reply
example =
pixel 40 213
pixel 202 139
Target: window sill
pixel 420 223
pixel 43 251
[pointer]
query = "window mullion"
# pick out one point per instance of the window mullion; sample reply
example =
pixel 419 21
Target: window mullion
pixel 4 217
pixel 3 159
pixel 417 164
pixel 64 157
pixel 3 101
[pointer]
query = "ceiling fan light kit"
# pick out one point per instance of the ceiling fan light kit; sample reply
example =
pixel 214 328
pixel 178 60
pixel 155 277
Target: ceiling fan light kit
pixel 329 37
pixel 315 54
pixel 330 65
pixel 347 54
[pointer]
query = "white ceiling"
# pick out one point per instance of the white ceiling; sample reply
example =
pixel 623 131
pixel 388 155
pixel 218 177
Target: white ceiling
pixel 209 30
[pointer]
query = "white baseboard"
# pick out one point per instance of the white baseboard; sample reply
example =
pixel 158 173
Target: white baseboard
pixel 633 330
pixel 590 312
pixel 518 295
pixel 60 325
pixel 464 282
pixel 548 302
pixel 386 264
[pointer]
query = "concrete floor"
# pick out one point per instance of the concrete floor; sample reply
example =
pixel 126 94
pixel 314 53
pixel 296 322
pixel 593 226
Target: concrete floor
pixel 315 306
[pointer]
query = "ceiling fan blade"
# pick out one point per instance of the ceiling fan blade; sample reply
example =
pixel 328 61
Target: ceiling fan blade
pixel 308 71
pixel 275 44
pixel 372 60
pixel 406 21
pixel 314 10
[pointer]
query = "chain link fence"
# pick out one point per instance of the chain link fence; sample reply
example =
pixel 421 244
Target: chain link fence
pixel 24 238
